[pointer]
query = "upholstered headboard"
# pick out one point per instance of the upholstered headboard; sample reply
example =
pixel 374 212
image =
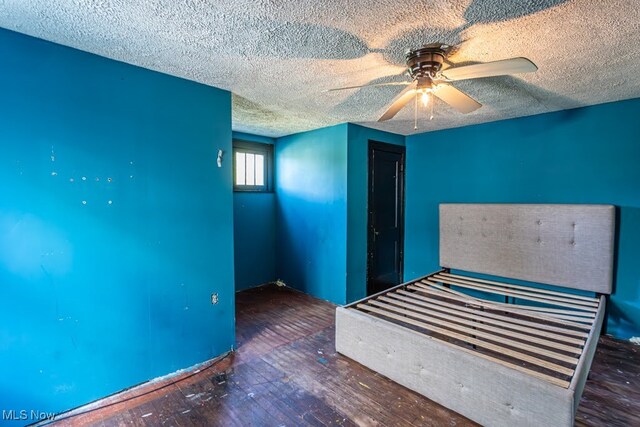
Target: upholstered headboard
pixel 564 245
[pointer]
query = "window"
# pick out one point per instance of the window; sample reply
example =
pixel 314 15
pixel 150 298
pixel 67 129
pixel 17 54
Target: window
pixel 252 166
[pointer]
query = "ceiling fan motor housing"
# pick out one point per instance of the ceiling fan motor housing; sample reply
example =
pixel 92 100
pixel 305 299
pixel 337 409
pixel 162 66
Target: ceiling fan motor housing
pixel 426 61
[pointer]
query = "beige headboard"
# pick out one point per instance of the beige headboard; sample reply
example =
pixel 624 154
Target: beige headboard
pixel 564 245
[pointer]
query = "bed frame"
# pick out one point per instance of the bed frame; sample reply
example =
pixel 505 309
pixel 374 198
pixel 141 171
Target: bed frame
pixel 498 352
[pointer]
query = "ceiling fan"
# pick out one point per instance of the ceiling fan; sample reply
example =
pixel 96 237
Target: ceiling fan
pixel 424 66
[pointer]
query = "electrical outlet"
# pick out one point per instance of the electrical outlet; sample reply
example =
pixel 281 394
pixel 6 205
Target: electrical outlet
pixel 214 298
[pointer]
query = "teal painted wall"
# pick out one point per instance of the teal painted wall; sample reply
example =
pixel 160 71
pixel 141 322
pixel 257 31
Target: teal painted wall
pixel 321 187
pixel 586 155
pixel 243 136
pixel 98 297
pixel 311 192
pixel 357 195
pixel 254 225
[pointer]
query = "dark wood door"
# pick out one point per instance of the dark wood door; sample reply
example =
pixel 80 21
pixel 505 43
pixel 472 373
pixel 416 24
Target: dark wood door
pixel 386 216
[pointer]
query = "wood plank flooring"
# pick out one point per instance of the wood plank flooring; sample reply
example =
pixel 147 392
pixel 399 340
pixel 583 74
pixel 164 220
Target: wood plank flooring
pixel 286 373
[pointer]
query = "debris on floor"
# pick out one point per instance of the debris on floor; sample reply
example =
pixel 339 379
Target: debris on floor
pixel 221 378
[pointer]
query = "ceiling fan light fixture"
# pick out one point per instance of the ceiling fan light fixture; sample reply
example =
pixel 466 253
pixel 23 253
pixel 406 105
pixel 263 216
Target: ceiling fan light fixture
pixel 425 97
pixel 430 81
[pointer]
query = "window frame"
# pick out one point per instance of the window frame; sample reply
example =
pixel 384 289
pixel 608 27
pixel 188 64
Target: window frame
pixel 254 148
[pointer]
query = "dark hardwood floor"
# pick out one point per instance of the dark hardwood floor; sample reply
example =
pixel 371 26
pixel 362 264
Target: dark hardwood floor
pixel 286 372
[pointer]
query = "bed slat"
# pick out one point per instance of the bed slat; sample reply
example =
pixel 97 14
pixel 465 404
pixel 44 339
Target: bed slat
pixel 515 294
pixel 478 322
pixel 503 307
pixel 474 341
pixel 479 334
pixel 511 285
pixel 543 311
pixel 510 322
pixel 581 305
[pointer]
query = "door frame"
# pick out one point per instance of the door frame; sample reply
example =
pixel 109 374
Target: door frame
pixel 392 148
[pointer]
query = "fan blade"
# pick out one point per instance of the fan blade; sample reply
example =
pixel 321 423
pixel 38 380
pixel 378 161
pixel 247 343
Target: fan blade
pixel 370 85
pixel 490 69
pixel 399 102
pixel 456 98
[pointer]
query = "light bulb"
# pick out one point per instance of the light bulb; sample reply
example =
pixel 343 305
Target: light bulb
pixel 425 98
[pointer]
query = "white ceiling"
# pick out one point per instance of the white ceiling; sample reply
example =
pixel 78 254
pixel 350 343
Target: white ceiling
pixel 278 57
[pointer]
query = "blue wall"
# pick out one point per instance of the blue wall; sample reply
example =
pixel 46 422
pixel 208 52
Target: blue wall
pixel 357 195
pixel 101 296
pixel 586 155
pixel 254 225
pixel 243 136
pixel 321 187
pixel 311 191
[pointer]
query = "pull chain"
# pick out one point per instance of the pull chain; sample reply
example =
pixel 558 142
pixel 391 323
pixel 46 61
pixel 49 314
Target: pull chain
pixel 431 102
pixel 415 113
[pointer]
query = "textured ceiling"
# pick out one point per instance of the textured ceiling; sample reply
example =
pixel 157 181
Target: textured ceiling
pixel 278 57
